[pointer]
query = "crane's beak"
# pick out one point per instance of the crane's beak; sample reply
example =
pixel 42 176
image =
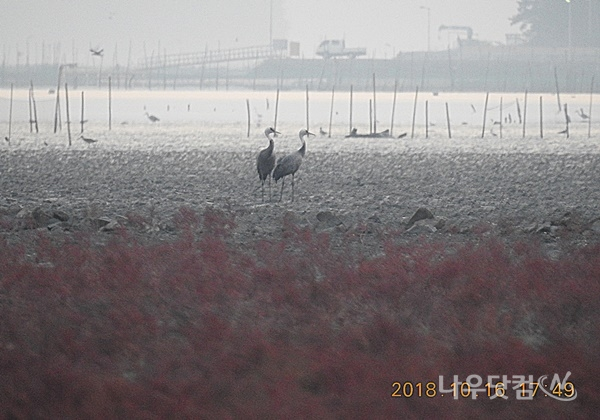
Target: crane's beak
pixel 308 133
pixel 276 132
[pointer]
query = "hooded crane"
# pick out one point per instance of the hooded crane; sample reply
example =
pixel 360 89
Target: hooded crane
pixel 288 165
pixel 265 162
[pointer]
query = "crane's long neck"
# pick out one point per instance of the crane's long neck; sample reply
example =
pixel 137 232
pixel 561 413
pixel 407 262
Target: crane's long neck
pixel 302 150
pixel 271 146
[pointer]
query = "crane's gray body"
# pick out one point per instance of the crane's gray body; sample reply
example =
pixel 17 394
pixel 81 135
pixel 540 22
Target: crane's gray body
pixel 289 165
pixel 265 162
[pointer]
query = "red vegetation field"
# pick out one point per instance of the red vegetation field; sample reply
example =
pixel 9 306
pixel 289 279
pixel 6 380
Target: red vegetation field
pixel 201 328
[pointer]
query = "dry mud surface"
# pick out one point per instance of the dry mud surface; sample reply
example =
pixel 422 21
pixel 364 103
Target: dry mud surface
pixel 349 189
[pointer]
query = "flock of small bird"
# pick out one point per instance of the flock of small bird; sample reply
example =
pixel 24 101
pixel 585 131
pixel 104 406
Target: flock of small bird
pixel 287 165
pixel 90 140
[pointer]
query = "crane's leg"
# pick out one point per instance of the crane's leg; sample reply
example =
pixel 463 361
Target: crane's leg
pixel 292 187
pixel 270 197
pixel 282 184
pixel 262 190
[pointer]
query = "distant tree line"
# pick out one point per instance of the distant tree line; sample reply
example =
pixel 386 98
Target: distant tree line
pixel 546 22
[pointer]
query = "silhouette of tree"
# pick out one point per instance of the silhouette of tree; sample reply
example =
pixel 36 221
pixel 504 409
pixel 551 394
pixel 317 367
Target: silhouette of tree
pixel 546 22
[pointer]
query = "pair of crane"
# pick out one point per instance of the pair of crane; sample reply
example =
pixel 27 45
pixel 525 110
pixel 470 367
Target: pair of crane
pixel 286 165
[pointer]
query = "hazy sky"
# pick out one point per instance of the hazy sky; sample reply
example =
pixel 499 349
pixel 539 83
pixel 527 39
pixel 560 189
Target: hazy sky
pixel 382 26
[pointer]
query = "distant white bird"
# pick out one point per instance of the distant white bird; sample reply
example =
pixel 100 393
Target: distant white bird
pixel 322 132
pixel 152 118
pixel 265 162
pixel 289 165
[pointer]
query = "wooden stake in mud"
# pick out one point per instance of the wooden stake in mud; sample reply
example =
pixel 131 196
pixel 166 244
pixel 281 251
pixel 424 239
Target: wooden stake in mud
pixel 350 125
pixel 370 116
pixel 501 120
pixel 567 120
pixel 280 75
pixel 519 111
pixel 82 121
pixel 412 131
pixel 35 119
pixel 109 103
pixel 487 95
pixel 307 125
pixel 524 113
pixel 331 111
pixel 67 110
pixel 57 105
pixel 394 107
pixel 276 110
pixel 590 109
pixel 374 107
pixel 30 110
pixel 541 118
pixel 448 121
pixel 426 119
pixel 248 110
pixel 10 113
pixel 557 91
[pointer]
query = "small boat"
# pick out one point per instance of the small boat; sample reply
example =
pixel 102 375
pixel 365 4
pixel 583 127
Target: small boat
pixel 381 134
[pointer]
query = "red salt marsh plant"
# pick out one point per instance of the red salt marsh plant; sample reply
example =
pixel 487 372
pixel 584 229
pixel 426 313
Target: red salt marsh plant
pixel 202 328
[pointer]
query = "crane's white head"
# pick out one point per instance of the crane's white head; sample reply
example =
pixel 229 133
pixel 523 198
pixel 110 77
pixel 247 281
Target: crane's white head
pixel 304 132
pixel 270 130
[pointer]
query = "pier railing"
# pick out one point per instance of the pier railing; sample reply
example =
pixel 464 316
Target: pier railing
pixel 208 57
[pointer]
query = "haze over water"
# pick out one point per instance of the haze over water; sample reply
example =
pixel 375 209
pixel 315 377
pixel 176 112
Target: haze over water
pixel 65 31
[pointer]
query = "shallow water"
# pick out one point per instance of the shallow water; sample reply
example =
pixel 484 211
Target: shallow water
pixel 218 121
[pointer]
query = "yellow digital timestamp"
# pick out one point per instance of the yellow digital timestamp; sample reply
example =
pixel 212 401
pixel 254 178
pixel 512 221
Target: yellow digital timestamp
pixel 564 391
pixel 430 390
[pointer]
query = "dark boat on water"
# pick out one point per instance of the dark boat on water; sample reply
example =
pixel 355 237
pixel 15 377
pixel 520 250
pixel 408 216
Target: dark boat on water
pixel 382 134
